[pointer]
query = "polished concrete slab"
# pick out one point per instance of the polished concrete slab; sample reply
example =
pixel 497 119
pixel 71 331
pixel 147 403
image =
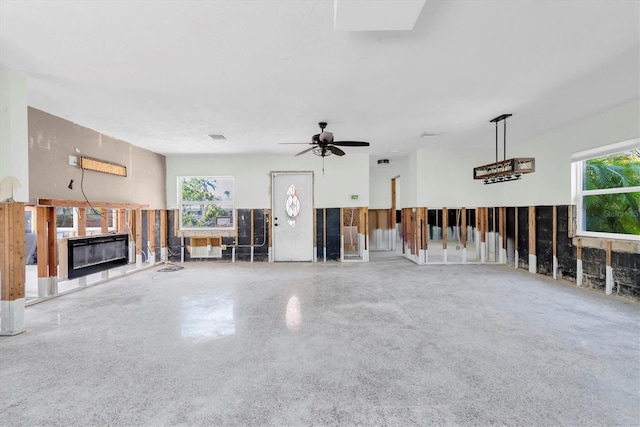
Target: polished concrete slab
pixel 382 343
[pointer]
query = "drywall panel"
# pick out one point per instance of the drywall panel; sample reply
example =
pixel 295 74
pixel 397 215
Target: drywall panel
pixel 343 177
pixel 551 183
pixel 52 140
pixel 14 156
pixel 410 184
pixel 380 177
pixel 445 178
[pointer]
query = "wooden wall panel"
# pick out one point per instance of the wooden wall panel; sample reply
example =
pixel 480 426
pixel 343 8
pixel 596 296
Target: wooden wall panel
pixel 12 251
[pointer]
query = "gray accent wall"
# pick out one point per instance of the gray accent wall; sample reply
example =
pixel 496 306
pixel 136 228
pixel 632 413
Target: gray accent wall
pixel 52 140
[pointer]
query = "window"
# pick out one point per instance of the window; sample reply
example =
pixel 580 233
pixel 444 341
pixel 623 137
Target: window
pixel 607 190
pixel 206 203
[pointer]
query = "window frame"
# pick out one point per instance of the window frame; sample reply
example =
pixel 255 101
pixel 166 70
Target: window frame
pixel 578 162
pixel 181 203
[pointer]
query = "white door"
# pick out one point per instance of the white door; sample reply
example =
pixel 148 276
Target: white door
pixel 292 208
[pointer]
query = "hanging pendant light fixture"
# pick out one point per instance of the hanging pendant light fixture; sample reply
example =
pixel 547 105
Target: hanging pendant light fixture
pixel 505 170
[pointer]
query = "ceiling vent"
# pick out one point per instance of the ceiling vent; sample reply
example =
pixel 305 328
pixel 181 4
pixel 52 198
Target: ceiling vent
pixel 383 161
pixel 428 134
pixel 217 137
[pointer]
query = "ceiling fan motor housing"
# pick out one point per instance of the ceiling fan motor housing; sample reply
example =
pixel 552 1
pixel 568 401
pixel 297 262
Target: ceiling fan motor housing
pixel 326 137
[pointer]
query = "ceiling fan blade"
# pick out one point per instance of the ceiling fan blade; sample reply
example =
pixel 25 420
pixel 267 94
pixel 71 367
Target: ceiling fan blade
pixel 304 151
pixel 351 143
pixel 295 143
pixel 335 150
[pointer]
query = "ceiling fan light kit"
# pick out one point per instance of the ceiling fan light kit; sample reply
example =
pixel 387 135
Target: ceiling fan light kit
pixel 505 170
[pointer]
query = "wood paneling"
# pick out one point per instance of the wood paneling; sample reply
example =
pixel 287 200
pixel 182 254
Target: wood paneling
pixel 85 204
pixel 532 230
pixel 12 251
pixel 82 221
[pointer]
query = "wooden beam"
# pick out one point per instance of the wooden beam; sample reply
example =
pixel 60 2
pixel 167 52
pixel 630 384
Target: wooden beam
pixel 445 224
pixel 392 211
pixel 578 249
pixel 52 242
pixel 515 242
pixel 138 231
pixel 41 240
pixel 463 227
pixel 163 229
pixel 324 227
pixel 104 220
pixel 251 230
pixel 503 226
pixel 570 221
pixel 82 221
pixel 555 231
pixel 608 253
pixel 85 204
pixel 425 228
pixel 482 213
pixel 12 251
pixel 151 230
pixel 122 220
pixel 532 230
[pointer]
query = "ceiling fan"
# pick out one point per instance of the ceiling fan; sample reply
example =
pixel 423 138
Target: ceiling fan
pixel 323 145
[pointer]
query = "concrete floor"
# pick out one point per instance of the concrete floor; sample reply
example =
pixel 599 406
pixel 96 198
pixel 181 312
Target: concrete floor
pixel 380 343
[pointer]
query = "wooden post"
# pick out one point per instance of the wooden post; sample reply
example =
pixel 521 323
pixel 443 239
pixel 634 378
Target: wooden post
pixel 503 234
pixel 251 232
pixel 515 242
pixel 533 262
pixel 12 271
pixel 42 216
pixel 163 236
pixel 608 269
pixel 445 224
pixel 579 261
pixel 151 234
pixel 104 220
pixel 52 244
pixel 324 234
pixel 138 234
pixel 554 244
pixel 82 221
pixel 425 229
pixel 463 227
pixel 122 220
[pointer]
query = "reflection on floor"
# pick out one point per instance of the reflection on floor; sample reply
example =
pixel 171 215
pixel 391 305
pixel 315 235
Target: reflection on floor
pixel 387 342
pixel 64 286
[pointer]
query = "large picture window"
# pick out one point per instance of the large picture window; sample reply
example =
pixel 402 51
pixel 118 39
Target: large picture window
pixel 607 183
pixel 206 202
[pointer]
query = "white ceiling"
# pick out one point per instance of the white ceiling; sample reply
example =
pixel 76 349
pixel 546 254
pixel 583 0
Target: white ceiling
pixel 164 74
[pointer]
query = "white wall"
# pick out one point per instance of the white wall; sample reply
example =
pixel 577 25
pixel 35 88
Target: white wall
pixel 380 177
pixel 343 177
pixel 445 179
pixel 14 155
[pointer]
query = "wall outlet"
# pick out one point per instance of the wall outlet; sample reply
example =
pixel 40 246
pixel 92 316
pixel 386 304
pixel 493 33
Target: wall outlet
pixel 73 160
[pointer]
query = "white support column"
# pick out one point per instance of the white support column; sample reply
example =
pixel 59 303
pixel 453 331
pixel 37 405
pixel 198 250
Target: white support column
pixel 555 267
pixel 579 272
pixel 516 258
pixel 609 280
pixel 533 263
pixel 12 317
pixel 164 255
